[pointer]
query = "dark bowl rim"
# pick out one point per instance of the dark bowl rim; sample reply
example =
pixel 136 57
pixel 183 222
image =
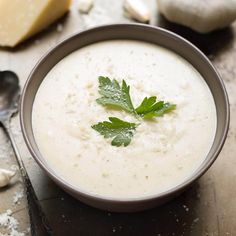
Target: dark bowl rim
pixel 64 184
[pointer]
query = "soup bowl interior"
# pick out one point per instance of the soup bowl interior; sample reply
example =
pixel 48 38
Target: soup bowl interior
pixel 140 32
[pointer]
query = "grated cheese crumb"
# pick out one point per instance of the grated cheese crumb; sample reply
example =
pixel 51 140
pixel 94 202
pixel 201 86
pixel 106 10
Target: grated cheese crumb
pixel 59 28
pixel 84 6
pixel 18 196
pixel 7 221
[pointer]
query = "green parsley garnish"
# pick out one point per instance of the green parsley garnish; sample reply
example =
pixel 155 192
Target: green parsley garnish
pixel 114 95
pixel 151 108
pixel 118 96
pixel 122 131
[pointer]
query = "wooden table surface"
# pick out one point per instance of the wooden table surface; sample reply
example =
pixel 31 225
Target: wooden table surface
pixel 207 208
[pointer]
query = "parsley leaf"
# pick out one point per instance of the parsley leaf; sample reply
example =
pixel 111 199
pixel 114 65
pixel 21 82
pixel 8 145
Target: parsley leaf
pixel 122 131
pixel 151 108
pixel 115 95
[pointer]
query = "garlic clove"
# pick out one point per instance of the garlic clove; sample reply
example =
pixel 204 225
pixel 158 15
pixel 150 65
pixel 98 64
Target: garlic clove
pixel 198 15
pixel 84 6
pixel 5 177
pixel 137 10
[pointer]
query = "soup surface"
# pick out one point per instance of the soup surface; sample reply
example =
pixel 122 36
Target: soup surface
pixel 164 151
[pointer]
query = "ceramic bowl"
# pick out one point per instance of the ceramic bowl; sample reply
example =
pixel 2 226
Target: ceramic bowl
pixel 141 32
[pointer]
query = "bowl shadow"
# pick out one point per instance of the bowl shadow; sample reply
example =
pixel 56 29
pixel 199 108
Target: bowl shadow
pixel 67 216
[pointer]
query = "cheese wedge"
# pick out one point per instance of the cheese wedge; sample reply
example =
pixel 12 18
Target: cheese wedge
pixel 20 19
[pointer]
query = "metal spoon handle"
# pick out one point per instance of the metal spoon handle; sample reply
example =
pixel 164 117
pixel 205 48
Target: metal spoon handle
pixel 38 220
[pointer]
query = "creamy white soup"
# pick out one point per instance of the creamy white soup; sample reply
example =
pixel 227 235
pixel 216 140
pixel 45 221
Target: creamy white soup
pixel 164 151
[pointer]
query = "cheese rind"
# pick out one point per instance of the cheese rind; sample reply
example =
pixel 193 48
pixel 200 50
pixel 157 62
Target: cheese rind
pixel 20 19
